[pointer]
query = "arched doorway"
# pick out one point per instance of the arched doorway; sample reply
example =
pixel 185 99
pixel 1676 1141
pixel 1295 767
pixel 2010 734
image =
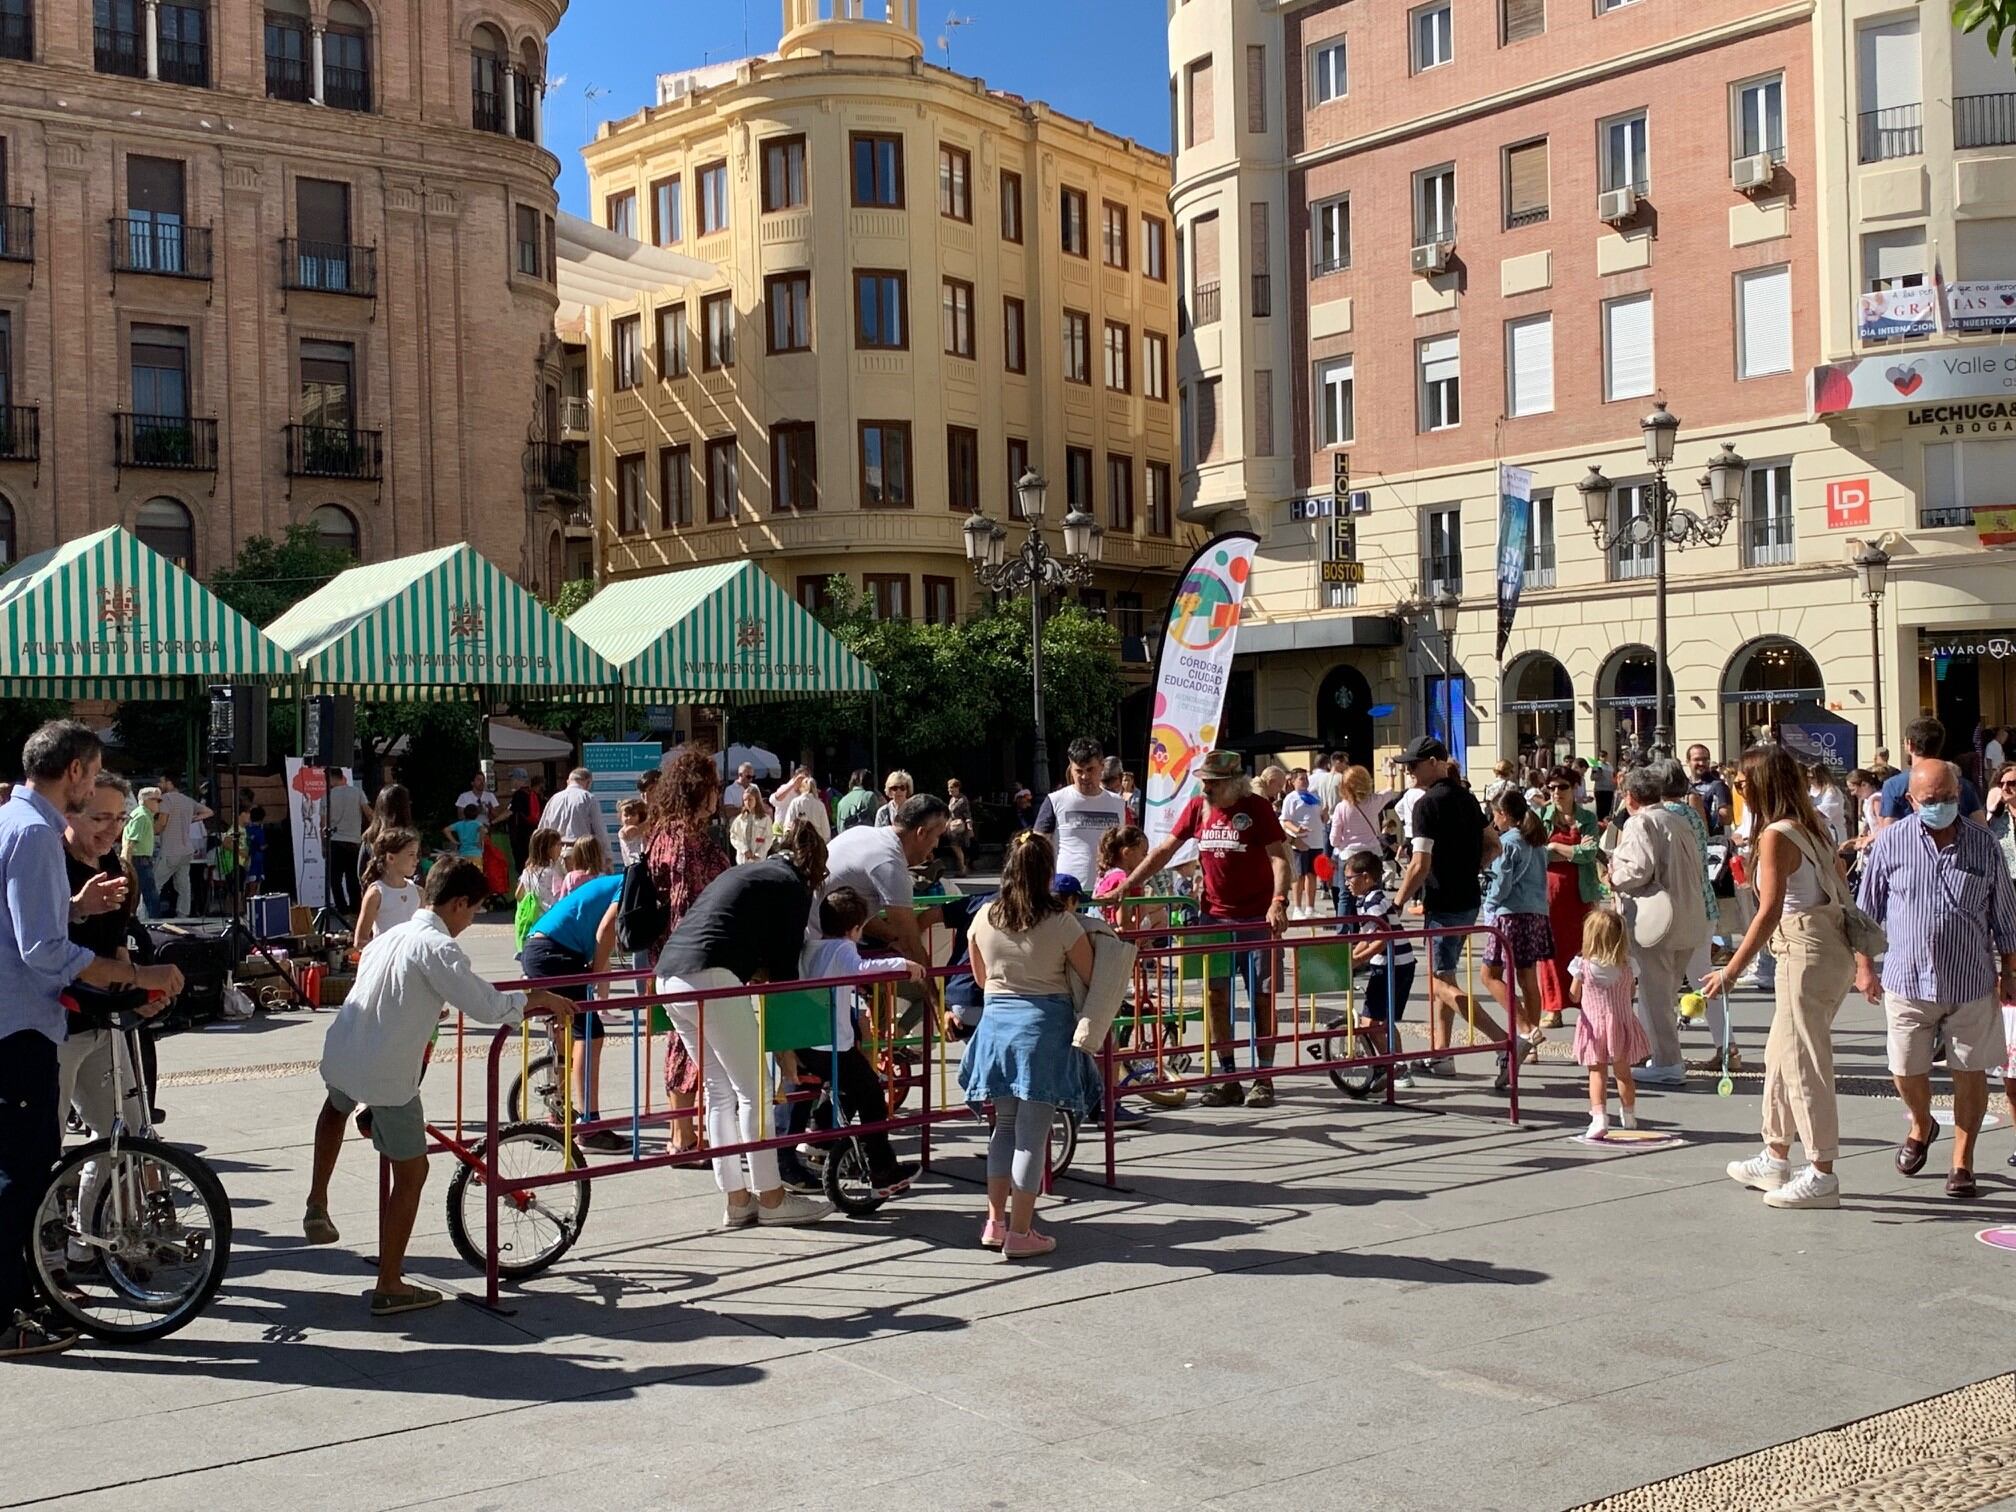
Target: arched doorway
pixel 166 525
pixel 1538 711
pixel 1344 713
pixel 1627 702
pixel 1759 687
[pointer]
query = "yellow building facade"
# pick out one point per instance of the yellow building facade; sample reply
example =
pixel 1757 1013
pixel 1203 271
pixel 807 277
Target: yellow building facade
pixel 926 286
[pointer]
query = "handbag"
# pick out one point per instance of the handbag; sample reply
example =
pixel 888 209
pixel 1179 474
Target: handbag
pixel 1865 935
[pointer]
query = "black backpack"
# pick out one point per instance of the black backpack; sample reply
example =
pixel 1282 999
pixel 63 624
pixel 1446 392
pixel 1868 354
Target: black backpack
pixel 642 916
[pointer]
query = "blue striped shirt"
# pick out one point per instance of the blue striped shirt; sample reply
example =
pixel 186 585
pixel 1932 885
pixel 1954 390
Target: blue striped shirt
pixel 1373 914
pixel 38 959
pixel 1949 910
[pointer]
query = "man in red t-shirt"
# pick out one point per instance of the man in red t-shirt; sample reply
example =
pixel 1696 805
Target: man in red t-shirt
pixel 1243 854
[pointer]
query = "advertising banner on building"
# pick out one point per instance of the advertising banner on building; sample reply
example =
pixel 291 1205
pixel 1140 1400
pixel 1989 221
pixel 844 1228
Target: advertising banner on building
pixel 1891 313
pixel 1515 526
pixel 1981 305
pixel 307 787
pixel 1191 673
pixel 1926 378
pixel 1813 734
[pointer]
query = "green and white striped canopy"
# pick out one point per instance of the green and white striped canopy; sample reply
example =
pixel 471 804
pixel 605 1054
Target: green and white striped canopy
pixel 439 619
pixel 723 634
pixel 106 616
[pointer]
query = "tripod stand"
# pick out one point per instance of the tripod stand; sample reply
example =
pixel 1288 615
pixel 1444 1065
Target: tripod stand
pixel 242 941
pixel 328 918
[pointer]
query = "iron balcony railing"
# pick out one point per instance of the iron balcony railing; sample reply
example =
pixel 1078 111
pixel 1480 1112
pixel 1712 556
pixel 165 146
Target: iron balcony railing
pixel 1530 217
pixel 1204 305
pixel 1987 120
pixel 328 267
pixel 335 451
pixel 20 433
pixel 554 467
pixel 1893 133
pixel 1334 262
pixel 182 61
pixel 116 51
pixel 1769 542
pixel 346 88
pixel 1263 294
pixel 17 233
pixel 574 415
pixel 486 110
pixel 179 442
pixel 146 244
pixel 287 79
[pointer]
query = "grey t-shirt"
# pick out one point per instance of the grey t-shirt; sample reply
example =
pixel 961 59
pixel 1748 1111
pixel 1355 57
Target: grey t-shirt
pixel 870 861
pixel 1076 823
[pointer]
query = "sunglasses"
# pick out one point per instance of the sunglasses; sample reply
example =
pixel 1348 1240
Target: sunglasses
pixel 2007 786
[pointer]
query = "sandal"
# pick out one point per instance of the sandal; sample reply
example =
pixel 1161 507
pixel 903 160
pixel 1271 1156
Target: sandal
pixel 316 1227
pixel 386 1304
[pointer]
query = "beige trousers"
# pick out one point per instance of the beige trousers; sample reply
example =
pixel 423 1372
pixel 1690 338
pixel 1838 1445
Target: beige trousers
pixel 1815 971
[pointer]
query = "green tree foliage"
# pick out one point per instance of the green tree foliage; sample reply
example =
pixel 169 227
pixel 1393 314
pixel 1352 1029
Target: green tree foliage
pixel 1996 17
pixel 270 577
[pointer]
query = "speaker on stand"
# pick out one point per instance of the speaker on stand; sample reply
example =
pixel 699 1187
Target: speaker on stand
pixel 328 740
pixel 237 739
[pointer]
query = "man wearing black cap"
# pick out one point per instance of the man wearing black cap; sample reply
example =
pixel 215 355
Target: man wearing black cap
pixel 1451 844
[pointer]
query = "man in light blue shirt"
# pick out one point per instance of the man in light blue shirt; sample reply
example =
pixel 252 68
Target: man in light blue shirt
pixel 38 961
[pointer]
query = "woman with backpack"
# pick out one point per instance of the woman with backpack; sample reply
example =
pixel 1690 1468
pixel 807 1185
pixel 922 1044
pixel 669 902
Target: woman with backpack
pixel 681 859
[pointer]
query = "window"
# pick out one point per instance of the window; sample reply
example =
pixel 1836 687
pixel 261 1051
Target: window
pixel 717 332
pixel 1526 184
pixel 667 212
pixel 1760 118
pixel 675 487
pixel 1119 343
pixel 619 213
pixel 1328 79
pixel 629 495
pixel 724 479
pixel 1627 347
pixel 941 601
pixel 880 300
pixel 1113 234
pixel 1433 42
pixel 1120 494
pixel 1155 365
pixel 956 318
pixel 156 233
pixel 1197 95
pixel 1330 235
pixel 878 170
pixel 815 594
pixel 1764 322
pixel 1440 361
pixel 962 467
pixel 328 386
pixel 165 526
pixel 486 80
pixel 1522 20
pixel 1208 442
pixel 955 177
pixel 1627 162
pixel 789 299
pixel 1529 365
pixel 160 376
pixel 1629 559
pixel 1959 475
pixel 552 252
pixel 1011 206
pixel 1071 221
pixel 335 528
pixel 672 340
pixel 1336 410
pixel 885 464
pixel 531 256
pixel 1204 270
pixel 1604 6
pixel 1256 89
pixel 1435 205
pixel 783 173
pixel 1891 90
pixel 1154 249
pixel 1014 336
pixel 287 49
pixel 1077 347
pixel 324 257
pixel 1893 260
pixel 1263 412
pixel 626 358
pixel 1161 518
pixel 1442 550
pixel 794 466
pixel 1540 541
pixel 180 44
pixel 1018 464
pixel 888 594
pixel 710 184
pixel 1078 478
pixel 1767 516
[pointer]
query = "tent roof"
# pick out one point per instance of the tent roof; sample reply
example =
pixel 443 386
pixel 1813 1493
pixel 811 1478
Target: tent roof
pixel 596 265
pixel 721 634
pixel 443 618
pixel 107 616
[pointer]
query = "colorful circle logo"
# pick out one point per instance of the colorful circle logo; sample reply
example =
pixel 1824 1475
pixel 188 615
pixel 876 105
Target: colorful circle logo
pixel 1207 607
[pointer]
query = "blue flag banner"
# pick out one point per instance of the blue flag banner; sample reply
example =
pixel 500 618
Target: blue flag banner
pixel 1515 524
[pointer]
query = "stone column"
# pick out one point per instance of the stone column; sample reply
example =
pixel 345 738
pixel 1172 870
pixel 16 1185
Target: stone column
pixel 153 39
pixel 511 99
pixel 315 65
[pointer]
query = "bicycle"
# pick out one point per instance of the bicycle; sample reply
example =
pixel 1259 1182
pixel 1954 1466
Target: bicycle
pixel 132 1238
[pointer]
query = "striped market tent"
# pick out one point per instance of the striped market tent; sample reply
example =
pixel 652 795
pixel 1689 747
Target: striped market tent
pixel 724 635
pixel 106 616
pixel 422 625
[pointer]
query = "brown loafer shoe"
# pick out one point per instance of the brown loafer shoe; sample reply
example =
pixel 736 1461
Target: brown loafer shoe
pixel 1961 1184
pixel 1911 1153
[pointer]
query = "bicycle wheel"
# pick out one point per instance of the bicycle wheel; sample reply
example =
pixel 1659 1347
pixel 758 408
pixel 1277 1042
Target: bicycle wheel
pixel 156 1248
pixel 848 1186
pixel 1155 1033
pixel 544 1081
pixel 535 1228
pixel 1063 1140
pixel 1359 1082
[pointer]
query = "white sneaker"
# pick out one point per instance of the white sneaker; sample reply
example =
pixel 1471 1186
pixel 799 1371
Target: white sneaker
pixel 1626 1118
pixel 794 1209
pixel 1599 1125
pixel 1811 1188
pixel 1764 1171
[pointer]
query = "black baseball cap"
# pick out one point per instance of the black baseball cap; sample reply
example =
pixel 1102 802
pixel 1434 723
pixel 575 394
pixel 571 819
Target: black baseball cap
pixel 1422 748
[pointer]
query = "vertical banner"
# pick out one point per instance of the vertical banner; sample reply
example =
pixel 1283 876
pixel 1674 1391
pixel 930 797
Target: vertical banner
pixel 1515 525
pixel 617 764
pixel 1191 672
pixel 307 787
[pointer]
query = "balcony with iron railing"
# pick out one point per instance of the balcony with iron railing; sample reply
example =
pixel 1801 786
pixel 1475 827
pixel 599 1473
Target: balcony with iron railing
pixel 17 233
pixel 574 419
pixel 20 433
pixel 1945 517
pixel 1441 574
pixel 328 267
pixel 486 110
pixel 17 36
pixel 1768 541
pixel 116 51
pixel 147 244
pixel 183 61
pixel 1629 559
pixel 1263 295
pixel 554 468
pixel 1540 565
pixel 1330 262
pixel 525 89
pixel 335 451
pixel 346 88
pixel 180 443
pixel 287 79
pixel 1986 120
pixel 1893 133
pixel 1204 305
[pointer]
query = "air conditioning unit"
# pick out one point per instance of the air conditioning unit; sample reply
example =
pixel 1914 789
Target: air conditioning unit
pixel 1615 206
pixel 1752 173
pixel 1432 258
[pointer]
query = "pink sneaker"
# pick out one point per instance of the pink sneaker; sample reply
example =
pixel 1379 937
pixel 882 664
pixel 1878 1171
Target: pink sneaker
pixel 992 1234
pixel 1016 1246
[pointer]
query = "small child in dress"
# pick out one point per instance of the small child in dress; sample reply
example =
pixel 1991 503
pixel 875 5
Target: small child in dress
pixel 390 895
pixel 585 862
pixel 1121 849
pixel 630 838
pixel 1608 1036
pixel 542 875
pixel 1516 900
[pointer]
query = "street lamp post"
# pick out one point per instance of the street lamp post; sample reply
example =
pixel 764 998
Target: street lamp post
pixel 1663 522
pixel 1034 567
pixel 1447 605
pixel 1872 576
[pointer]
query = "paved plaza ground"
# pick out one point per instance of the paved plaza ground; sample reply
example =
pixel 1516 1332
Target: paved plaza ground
pixel 1323 1304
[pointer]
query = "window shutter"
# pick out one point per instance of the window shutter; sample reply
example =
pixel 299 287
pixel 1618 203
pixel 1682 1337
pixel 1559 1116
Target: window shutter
pixel 1441 357
pixel 1889 65
pixel 1258 252
pixel 1526 180
pixel 1525 18
pixel 1256 89
pixel 1627 347
pixel 1204 249
pixel 1199 119
pixel 1263 412
pixel 1941 484
pixel 1532 361
pixel 1764 299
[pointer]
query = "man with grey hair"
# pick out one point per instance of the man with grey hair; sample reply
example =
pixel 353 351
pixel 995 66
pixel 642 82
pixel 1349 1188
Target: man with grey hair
pixel 575 813
pixel 1937 884
pixel 876 863
pixel 1656 873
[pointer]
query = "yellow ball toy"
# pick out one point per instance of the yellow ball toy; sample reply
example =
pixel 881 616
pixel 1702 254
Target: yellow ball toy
pixel 1692 1005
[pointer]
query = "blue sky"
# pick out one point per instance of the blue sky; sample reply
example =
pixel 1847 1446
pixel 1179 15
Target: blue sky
pixel 1101 59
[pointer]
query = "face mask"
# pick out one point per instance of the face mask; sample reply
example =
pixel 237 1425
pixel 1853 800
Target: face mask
pixel 1940 815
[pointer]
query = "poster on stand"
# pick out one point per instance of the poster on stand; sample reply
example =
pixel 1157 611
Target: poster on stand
pixel 307 788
